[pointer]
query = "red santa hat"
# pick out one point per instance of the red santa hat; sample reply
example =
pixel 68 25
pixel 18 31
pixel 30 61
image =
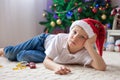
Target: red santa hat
pixel 92 27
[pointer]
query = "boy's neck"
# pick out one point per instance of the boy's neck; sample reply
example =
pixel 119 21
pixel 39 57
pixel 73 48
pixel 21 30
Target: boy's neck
pixel 73 51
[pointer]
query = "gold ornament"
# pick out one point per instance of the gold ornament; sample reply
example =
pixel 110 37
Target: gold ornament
pixel 58 21
pixel 91 7
pixel 44 14
pixel 100 8
pixel 55 5
pixel 107 4
pixel 52 23
pixel 103 16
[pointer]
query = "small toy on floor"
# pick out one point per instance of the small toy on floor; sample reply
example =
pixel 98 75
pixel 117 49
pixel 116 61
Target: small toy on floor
pixel 117 46
pixel 32 65
pixel 23 64
pixel 20 66
pixel 1 66
pixel 110 44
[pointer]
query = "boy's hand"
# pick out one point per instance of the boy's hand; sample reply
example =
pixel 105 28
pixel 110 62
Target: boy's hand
pixel 62 70
pixel 90 41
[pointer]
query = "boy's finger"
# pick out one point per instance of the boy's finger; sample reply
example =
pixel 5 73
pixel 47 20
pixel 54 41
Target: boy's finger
pixel 67 69
pixel 62 72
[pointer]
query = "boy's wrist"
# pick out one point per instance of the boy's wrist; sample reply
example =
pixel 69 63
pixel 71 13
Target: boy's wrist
pixel 87 44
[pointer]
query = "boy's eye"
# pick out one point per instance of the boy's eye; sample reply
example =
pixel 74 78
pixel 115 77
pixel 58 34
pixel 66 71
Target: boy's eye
pixel 74 32
pixel 81 37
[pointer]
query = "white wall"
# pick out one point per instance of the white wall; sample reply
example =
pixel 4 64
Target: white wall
pixel 19 20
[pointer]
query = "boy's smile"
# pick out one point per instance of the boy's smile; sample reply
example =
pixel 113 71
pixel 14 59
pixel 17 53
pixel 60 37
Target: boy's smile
pixel 76 39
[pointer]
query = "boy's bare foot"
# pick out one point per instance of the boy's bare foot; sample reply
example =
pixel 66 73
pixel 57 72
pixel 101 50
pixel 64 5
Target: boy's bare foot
pixel 1 51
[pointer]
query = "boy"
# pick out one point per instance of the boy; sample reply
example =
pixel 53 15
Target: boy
pixel 57 50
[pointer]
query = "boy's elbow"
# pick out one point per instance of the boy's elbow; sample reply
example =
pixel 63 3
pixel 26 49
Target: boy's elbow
pixel 102 68
pixel 47 62
pixel 44 63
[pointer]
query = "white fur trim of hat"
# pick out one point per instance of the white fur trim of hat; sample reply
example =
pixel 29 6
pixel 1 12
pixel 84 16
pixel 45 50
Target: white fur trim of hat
pixel 85 27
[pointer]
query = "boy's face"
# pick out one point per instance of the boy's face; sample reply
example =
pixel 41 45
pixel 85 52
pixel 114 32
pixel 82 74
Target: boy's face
pixel 76 39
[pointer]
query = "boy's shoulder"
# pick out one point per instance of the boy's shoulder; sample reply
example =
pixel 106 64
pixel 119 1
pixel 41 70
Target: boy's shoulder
pixel 62 34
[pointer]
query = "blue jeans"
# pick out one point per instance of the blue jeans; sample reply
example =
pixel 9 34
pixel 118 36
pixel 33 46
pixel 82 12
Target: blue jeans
pixel 31 50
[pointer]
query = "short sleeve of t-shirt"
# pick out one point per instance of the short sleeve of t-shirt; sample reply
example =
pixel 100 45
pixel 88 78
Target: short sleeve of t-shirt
pixel 53 50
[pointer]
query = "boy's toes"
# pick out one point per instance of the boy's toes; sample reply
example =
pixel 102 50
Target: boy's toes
pixel 1 51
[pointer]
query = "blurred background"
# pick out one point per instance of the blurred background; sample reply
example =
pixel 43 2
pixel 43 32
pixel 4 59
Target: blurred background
pixel 19 19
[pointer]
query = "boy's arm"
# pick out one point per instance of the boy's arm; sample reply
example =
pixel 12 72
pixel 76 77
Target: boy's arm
pixel 97 61
pixel 58 68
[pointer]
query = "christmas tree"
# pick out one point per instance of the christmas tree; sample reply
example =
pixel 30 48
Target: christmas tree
pixel 64 12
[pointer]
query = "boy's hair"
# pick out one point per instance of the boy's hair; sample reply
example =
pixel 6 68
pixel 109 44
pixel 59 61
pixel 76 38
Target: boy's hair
pixel 92 27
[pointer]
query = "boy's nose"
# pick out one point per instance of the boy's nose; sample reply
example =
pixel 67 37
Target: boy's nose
pixel 75 37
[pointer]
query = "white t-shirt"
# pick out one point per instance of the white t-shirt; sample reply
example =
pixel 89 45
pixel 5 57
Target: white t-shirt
pixel 56 48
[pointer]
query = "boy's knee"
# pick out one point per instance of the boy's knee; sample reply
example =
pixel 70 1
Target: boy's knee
pixel 9 54
pixel 22 56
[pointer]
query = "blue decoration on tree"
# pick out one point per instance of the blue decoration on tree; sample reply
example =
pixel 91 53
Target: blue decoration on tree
pixel 69 14
pixel 55 16
pixel 97 6
pixel 109 26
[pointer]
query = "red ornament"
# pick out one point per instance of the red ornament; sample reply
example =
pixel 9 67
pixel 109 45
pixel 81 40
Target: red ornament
pixel 94 10
pixel 32 65
pixel 79 9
